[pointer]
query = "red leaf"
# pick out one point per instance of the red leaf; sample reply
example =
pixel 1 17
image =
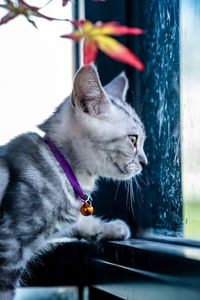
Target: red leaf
pixel 126 56
pixel 27 11
pixel 97 36
pixel 89 52
pixel 7 18
pixel 114 28
pixel 65 2
pixel 70 36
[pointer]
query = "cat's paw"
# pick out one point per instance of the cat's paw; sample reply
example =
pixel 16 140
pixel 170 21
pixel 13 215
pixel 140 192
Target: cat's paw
pixel 114 230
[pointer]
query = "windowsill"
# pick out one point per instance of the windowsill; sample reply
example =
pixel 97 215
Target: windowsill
pixel 147 291
pixel 136 259
pixel 159 236
pixel 170 246
pixel 154 256
pixel 144 269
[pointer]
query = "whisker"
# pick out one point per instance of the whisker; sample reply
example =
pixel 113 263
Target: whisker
pixel 132 197
pixel 117 191
pixel 139 189
pixel 137 183
pixel 127 187
pixel 141 179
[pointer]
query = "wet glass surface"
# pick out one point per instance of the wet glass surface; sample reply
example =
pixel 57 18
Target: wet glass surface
pixel 155 94
pixel 190 114
pixel 159 102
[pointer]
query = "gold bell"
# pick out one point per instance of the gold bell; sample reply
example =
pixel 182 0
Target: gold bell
pixel 86 209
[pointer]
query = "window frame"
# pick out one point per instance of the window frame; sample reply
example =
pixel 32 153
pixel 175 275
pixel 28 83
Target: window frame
pixel 160 207
pixel 111 266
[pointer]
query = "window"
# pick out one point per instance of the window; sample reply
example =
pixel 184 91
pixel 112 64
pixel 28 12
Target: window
pixel 157 206
pixel 160 218
pixel 36 69
pixel 157 262
pixel 190 91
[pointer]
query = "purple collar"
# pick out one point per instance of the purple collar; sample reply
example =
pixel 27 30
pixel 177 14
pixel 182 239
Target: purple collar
pixel 67 169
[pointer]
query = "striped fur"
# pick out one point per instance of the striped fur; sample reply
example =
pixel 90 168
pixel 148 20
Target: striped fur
pixel 37 202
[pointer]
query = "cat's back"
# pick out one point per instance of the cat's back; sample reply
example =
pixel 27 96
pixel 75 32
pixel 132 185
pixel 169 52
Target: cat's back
pixel 37 185
pixel 30 162
pixel 28 158
pixel 21 148
pixel 15 158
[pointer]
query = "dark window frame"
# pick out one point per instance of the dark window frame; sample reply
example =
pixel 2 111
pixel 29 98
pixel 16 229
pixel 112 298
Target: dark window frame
pixel 157 207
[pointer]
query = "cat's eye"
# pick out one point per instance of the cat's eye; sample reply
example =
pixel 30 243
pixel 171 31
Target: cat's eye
pixel 133 139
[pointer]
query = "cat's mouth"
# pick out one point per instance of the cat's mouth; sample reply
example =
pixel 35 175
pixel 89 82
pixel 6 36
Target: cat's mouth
pixel 119 169
pixel 129 170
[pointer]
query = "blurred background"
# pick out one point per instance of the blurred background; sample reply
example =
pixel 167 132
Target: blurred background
pixel 190 113
pixel 36 69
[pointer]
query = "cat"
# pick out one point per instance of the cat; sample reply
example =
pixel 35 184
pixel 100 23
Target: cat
pixel 99 134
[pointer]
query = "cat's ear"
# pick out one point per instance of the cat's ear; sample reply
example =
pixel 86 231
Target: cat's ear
pixel 118 87
pixel 88 92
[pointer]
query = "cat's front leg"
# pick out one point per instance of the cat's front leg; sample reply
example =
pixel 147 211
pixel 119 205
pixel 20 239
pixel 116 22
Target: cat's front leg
pixel 94 229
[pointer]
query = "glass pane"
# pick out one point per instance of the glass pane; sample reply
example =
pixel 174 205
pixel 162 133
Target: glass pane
pixel 36 69
pixel 190 105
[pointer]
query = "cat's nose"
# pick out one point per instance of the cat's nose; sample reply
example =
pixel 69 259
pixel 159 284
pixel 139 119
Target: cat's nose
pixel 143 164
pixel 143 160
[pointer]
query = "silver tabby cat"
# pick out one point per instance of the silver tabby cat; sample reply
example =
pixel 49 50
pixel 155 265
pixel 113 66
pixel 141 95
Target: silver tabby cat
pixel 93 129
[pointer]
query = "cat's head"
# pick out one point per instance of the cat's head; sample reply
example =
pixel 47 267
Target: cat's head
pixel 103 132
